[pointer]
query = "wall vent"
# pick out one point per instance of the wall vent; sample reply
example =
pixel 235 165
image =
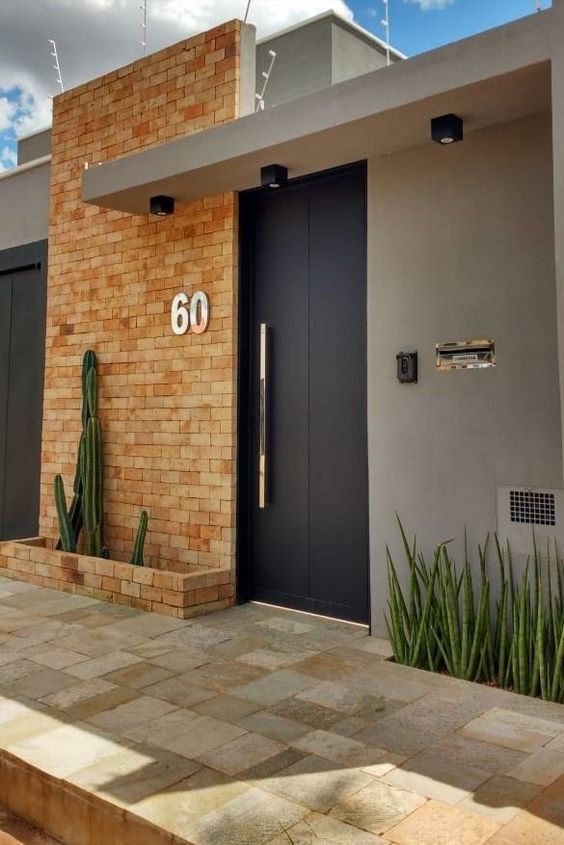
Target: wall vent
pixel 532 507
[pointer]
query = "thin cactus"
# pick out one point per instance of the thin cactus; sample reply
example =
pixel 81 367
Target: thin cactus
pixel 68 543
pixel 92 484
pixel 137 555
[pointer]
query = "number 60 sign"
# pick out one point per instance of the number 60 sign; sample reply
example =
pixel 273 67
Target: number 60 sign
pixel 190 313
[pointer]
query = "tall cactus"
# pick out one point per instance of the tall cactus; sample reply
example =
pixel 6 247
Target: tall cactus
pixel 92 472
pixel 75 510
pixel 68 542
pixel 137 555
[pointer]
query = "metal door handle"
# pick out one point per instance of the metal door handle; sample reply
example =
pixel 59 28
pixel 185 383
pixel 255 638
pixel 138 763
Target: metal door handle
pixel 263 415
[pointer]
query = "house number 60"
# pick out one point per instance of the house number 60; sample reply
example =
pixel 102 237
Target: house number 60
pixel 190 313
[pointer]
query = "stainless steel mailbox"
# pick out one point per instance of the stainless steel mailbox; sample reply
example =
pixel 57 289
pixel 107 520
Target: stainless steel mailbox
pixel 466 354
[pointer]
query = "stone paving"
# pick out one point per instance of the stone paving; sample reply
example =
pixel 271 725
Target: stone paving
pixel 259 726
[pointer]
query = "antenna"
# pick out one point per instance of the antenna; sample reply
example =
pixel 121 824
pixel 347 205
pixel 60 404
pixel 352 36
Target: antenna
pixel 386 24
pixel 247 12
pixel 266 77
pixel 56 66
pixel 143 26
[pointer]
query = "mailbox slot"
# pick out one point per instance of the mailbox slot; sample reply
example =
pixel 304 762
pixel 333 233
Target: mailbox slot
pixel 465 355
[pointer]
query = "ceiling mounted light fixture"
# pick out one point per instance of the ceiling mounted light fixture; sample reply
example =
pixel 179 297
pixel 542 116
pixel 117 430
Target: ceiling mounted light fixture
pixel 161 205
pixel 447 129
pixel 273 176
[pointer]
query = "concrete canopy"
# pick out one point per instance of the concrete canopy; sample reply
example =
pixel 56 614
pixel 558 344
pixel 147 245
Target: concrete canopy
pixel 493 78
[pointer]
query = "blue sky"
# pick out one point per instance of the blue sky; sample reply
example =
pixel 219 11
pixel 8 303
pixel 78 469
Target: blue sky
pixel 415 28
pixel 94 36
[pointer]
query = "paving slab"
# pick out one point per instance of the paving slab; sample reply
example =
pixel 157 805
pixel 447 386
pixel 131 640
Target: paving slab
pixel 260 726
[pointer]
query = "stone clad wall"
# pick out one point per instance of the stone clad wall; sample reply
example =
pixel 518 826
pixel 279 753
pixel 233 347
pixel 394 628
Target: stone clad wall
pixel 167 403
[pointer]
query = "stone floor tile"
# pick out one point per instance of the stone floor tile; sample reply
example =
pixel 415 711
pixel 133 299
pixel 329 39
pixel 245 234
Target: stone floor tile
pixel 107 640
pixel 436 774
pixel 201 734
pixel 80 691
pixel 16 670
pixel 274 656
pixel 306 713
pixel 231 649
pixel 179 690
pixel 473 752
pixel 275 727
pixel 41 683
pixel 58 658
pixel 229 708
pixel 556 744
pixel 66 749
pixel 139 675
pixel 376 807
pixel 511 730
pixel 241 753
pixel 149 625
pixel 528 829
pixel 384 764
pixel 103 665
pixel 142 711
pixel 94 704
pixel 196 635
pixel 27 725
pixel 336 696
pixel 274 687
pixel 252 818
pixel 441 824
pixel 393 734
pixel 390 686
pixel 224 675
pixel 324 830
pixel 178 808
pixel 271 766
pixel 376 646
pixel 439 715
pixel 339 749
pixel 164 733
pixel 542 767
pixel 500 798
pixel 174 659
pixel 134 774
pixel 316 783
pixel 324 666
pixel 285 624
pixel 549 804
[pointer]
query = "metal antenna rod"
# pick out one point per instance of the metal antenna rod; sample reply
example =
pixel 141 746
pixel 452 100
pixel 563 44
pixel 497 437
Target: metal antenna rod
pixel 56 66
pixel 247 12
pixel 386 24
pixel 143 26
pixel 266 76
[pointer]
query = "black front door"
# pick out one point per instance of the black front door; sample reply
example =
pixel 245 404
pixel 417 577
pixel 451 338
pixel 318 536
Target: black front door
pixel 22 355
pixel 304 537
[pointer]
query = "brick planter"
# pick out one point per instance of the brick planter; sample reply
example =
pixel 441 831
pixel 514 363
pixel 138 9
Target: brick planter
pixel 181 595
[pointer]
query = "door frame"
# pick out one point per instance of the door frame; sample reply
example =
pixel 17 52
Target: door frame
pixel 245 391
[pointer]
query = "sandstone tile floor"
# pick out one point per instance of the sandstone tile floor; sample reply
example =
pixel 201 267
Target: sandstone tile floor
pixel 259 726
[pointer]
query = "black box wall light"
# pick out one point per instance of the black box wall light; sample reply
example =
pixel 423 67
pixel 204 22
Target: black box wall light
pixel 161 205
pixel 273 176
pixel 447 129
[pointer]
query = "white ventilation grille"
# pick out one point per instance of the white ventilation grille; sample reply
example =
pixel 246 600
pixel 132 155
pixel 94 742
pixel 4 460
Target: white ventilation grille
pixel 532 507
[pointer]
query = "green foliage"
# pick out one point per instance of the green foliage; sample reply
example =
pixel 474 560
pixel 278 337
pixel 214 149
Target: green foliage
pixel 68 543
pixel 92 487
pixel 438 624
pixel 137 555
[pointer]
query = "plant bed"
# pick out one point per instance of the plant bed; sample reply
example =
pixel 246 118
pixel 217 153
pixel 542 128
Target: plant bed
pixel 180 595
pixel 446 623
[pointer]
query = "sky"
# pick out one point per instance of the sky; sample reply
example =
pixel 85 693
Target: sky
pixel 94 36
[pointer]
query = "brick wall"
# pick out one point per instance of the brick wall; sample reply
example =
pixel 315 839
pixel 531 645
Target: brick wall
pixel 167 403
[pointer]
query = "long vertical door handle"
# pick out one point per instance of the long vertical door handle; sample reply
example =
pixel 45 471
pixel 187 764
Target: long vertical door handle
pixel 263 416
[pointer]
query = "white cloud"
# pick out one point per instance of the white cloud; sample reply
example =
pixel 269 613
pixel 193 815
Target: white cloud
pixel 8 156
pixel 427 5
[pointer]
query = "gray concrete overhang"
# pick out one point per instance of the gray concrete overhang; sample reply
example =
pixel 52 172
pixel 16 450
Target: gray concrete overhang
pixel 499 76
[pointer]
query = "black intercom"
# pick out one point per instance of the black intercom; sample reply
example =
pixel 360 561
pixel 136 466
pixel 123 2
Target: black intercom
pixel 407 367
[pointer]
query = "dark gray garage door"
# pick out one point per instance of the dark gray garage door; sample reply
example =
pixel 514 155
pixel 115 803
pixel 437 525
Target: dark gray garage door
pixel 22 353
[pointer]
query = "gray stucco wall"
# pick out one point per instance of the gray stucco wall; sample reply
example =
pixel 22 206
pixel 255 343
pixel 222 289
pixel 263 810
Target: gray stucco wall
pixel 352 56
pixel 303 63
pixel 24 206
pixel 34 146
pixel 460 244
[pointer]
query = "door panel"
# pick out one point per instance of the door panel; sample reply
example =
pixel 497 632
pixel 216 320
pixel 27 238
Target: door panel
pixel 5 322
pixel 338 438
pixel 25 405
pixel 281 529
pixel 305 253
pixel 22 351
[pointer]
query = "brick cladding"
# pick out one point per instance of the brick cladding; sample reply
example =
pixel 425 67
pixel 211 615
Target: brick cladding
pixel 167 403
